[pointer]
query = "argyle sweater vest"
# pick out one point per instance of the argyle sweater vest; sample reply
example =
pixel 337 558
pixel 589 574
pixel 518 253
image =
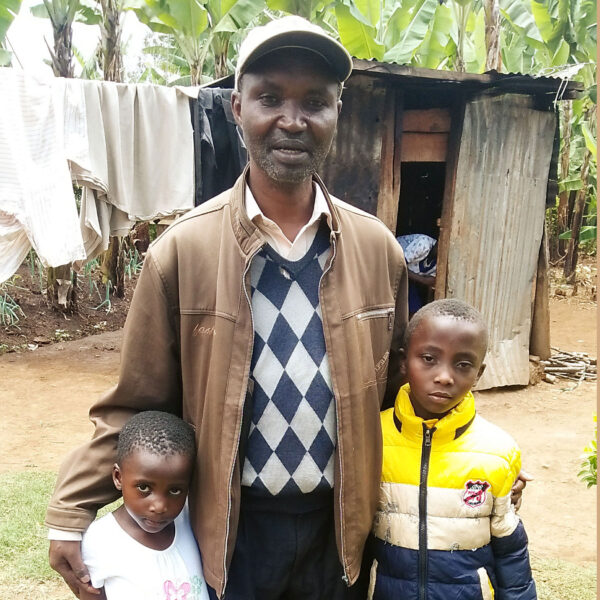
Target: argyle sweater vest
pixel 292 434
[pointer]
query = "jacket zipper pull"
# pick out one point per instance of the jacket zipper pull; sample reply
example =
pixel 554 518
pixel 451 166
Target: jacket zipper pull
pixel 428 437
pixel 390 320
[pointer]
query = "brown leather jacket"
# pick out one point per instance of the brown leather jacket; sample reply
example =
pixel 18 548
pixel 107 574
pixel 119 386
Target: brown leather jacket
pixel 187 348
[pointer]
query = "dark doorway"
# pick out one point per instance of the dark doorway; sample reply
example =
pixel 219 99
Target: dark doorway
pixel 421 197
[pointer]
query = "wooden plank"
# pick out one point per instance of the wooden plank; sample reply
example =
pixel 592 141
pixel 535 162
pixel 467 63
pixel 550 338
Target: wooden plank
pixel 433 120
pixel 458 115
pixel 351 170
pixel 398 151
pixel 424 147
pixel 387 199
pixel 539 341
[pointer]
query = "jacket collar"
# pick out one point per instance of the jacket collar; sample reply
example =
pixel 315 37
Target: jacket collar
pixel 246 232
pixel 448 428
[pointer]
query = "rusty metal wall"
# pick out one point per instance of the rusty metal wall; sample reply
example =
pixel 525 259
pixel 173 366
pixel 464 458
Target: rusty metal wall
pixel 497 223
pixel 353 166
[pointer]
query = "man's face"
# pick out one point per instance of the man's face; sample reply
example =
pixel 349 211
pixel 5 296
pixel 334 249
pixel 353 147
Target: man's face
pixel 288 108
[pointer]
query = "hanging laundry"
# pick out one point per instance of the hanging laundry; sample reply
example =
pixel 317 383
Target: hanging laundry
pixel 37 204
pixel 140 162
pixel 219 151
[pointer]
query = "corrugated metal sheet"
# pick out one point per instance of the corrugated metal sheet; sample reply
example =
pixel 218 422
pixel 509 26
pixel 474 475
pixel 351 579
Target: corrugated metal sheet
pixel 497 224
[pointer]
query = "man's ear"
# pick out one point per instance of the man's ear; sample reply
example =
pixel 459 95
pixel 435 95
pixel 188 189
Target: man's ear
pixel 339 107
pixel 116 475
pixel 236 106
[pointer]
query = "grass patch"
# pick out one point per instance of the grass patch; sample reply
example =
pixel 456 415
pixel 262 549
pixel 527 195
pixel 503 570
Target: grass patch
pixel 23 537
pixel 560 580
pixel 25 573
pixel 23 543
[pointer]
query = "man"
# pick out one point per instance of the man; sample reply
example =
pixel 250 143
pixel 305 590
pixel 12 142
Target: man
pixel 269 318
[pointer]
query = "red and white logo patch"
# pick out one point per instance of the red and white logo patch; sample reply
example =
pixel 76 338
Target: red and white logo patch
pixel 475 493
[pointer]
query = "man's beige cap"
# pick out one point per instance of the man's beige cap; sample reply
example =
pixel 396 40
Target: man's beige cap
pixel 293 32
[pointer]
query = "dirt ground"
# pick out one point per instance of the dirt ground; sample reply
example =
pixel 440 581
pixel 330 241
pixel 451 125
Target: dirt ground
pixel 46 394
pixel 39 324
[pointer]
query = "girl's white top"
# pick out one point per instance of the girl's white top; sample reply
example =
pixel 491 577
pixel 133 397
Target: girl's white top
pixel 129 570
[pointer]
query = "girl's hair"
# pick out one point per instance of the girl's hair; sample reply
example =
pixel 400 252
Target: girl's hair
pixel 157 432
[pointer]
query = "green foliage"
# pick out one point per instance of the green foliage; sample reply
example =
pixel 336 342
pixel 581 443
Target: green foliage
pixel 8 11
pixel 199 27
pixel 61 12
pixel 10 311
pixel 586 233
pixel 589 466
pixel 133 262
pixel 357 34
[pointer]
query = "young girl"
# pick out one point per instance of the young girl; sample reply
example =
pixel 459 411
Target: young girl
pixel 145 549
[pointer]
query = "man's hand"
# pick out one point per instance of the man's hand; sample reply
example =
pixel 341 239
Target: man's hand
pixel 65 558
pixel 516 493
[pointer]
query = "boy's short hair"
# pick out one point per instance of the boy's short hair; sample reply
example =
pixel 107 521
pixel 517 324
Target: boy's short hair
pixel 157 432
pixel 446 307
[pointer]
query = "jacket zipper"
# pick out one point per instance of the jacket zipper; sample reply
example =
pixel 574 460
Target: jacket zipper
pixel 378 312
pixel 238 434
pixel 345 577
pixel 422 564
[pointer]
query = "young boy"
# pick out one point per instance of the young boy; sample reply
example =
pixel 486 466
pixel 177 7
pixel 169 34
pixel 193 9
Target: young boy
pixel 145 549
pixel 445 528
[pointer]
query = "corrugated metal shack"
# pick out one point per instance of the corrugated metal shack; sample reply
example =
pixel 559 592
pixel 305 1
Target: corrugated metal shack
pixel 471 161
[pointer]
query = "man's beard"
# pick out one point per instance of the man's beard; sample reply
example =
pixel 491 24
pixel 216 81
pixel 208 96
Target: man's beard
pixel 261 152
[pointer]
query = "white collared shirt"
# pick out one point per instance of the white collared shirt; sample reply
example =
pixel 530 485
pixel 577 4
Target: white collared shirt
pixel 290 250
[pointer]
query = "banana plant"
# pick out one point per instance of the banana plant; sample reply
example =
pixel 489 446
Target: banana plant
pixel 200 28
pixel 8 11
pixel 62 14
pixel 558 38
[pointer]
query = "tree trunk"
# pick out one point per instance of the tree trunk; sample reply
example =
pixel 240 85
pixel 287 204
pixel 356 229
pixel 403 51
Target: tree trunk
pixel 492 35
pixel 573 246
pixel 562 216
pixel 195 73
pixel 140 236
pixel 112 59
pixel 62 56
pixel 113 268
pixel 61 288
pixel 221 49
pixel 61 292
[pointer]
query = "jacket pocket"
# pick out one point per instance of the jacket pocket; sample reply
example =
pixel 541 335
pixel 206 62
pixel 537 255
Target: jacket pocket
pixel 372 580
pixel 369 333
pixel 378 313
pixel 487 591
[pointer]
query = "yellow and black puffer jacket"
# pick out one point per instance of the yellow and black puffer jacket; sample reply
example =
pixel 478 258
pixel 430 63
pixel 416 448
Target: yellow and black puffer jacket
pixel 445 528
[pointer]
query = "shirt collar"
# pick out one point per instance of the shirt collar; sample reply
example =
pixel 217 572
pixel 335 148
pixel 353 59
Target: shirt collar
pixel 320 208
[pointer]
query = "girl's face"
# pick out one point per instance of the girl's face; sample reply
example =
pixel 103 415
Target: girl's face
pixel 154 487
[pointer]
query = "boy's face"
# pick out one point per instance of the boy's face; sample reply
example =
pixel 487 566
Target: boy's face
pixel 443 361
pixel 154 487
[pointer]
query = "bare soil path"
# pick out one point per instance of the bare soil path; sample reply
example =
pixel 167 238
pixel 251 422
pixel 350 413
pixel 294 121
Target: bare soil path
pixel 46 395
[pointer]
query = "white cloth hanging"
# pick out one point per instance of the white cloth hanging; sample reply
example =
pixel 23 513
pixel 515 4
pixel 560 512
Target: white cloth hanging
pixel 140 163
pixel 37 204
